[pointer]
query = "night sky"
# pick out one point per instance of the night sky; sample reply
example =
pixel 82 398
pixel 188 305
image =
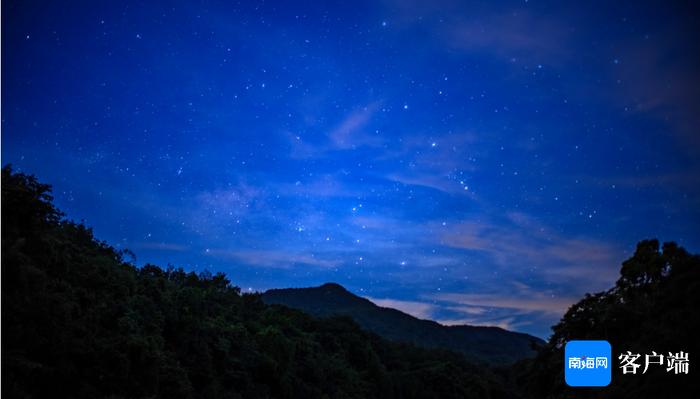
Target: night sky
pixel 471 163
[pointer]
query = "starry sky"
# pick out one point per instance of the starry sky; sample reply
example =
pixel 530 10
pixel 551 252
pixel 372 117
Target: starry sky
pixel 467 162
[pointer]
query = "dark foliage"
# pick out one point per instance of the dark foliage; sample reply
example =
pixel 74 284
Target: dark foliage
pixel 490 345
pixel 78 321
pixel 654 306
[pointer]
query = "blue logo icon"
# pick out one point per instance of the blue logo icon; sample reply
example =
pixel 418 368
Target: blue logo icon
pixel 587 363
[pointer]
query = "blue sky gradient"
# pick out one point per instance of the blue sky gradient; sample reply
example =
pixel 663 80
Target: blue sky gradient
pixel 482 163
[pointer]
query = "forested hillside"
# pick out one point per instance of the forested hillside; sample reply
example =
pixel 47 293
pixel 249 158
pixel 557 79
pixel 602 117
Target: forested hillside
pixel 490 345
pixel 654 306
pixel 78 321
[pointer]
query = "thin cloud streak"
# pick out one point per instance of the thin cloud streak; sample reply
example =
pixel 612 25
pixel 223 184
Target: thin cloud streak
pixel 531 245
pixel 350 133
pixel 420 310
pixel 537 303
pixel 278 259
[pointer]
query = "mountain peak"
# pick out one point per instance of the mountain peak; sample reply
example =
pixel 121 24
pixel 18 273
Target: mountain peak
pixel 489 344
pixel 334 287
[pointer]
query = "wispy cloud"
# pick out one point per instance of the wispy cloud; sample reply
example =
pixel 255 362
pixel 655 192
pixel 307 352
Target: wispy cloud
pixel 512 36
pixel 420 310
pixel 440 183
pixel 325 186
pixel 509 33
pixel 653 80
pixel 273 258
pixel 439 161
pixel 520 241
pixel 351 133
pixel 510 306
pixel 536 302
pixel 231 201
pixel 159 246
pixel 465 313
pixel 506 323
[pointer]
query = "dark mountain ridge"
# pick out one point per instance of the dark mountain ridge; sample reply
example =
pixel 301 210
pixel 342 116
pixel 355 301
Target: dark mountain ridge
pixel 492 345
pixel 78 321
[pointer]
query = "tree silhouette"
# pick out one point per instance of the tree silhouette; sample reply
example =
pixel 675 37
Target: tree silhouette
pixel 79 321
pixel 653 307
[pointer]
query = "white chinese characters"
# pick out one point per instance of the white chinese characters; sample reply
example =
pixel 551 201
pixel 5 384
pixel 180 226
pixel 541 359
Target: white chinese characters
pixel 677 362
pixel 584 362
